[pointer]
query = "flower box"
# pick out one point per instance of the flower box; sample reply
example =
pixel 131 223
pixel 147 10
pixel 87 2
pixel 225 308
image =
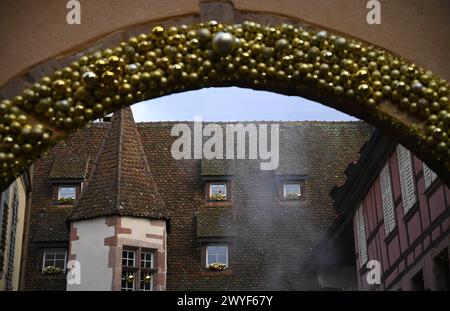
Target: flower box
pixel 66 200
pixel 217 266
pixel 218 197
pixel 293 196
pixel 50 270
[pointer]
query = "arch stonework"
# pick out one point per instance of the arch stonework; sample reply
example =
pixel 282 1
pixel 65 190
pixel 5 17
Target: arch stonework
pixel 286 56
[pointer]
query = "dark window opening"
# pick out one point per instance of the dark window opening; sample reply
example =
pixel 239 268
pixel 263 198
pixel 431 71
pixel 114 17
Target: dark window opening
pixel 417 283
pixel 442 271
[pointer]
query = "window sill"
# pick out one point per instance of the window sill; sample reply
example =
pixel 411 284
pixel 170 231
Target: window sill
pixel 54 275
pixel 208 272
pixel 291 203
pixel 130 269
pixel 56 203
pixel 223 203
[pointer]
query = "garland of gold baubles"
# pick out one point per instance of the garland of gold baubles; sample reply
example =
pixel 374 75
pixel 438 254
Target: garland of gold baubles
pixel 182 58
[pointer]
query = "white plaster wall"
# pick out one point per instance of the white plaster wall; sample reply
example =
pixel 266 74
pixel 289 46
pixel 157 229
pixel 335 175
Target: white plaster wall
pixel 140 227
pixel 93 255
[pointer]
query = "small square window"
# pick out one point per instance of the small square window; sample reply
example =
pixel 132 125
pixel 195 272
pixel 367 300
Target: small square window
pixel 128 257
pixel 216 254
pixel 146 260
pixel 218 191
pixel 67 194
pixel 291 190
pixel 54 261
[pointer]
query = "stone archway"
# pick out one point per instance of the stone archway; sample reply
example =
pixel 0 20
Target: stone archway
pixel 341 72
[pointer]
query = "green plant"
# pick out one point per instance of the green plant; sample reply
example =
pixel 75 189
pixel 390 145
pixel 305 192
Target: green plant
pixel 66 200
pixel 293 196
pixel 217 266
pixel 52 270
pixel 218 197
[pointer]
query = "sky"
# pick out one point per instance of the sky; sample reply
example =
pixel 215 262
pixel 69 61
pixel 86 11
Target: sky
pixel 234 104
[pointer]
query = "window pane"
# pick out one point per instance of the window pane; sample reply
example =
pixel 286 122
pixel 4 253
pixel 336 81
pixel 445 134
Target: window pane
pixel 218 189
pixel 147 260
pixel 221 250
pixel 146 283
pixel 291 190
pixel 217 254
pixel 66 192
pixel 212 249
pixel 211 259
pixel 127 283
pixel 222 259
pixel 60 264
pixel 128 258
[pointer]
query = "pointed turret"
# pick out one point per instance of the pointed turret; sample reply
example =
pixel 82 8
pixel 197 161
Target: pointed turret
pixel 121 182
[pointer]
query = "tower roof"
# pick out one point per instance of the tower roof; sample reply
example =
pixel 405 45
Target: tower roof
pixel 121 182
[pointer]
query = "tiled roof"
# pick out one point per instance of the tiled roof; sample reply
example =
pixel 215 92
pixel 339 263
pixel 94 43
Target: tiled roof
pixel 52 224
pixel 216 222
pixel 268 234
pixel 121 182
pixel 69 168
pixel 217 167
pixel 312 146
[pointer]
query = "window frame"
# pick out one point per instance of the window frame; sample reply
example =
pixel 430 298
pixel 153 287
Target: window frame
pixel 291 182
pixel 227 254
pixel 138 270
pixel 208 192
pixel 66 184
pixel 48 250
pixel 74 187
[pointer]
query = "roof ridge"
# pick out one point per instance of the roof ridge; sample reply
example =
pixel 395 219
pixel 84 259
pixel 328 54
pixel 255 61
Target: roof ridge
pixel 251 121
pixel 119 160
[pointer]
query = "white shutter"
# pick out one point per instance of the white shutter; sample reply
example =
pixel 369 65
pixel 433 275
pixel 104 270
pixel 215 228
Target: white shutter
pixel 387 199
pixel 406 178
pixel 428 175
pixel 361 234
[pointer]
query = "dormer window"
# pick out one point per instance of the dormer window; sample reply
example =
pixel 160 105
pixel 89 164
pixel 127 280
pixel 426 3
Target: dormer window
pixel 66 193
pixel 218 191
pixel 291 190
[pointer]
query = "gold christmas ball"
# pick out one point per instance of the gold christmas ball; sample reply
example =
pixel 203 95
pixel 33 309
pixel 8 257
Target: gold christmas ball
pixel 223 43
pixel 204 34
pixel 158 31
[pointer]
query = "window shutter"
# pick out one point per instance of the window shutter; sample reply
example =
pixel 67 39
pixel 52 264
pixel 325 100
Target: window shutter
pixel 12 243
pixel 361 234
pixel 406 178
pixel 387 200
pixel 428 175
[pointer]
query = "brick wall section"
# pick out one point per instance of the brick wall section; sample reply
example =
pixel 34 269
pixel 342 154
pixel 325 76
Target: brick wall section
pixel 272 238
